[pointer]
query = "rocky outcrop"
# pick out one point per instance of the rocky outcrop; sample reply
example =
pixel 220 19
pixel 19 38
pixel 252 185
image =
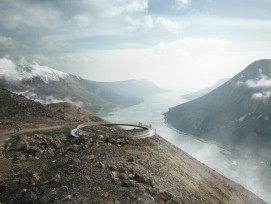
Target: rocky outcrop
pixel 110 166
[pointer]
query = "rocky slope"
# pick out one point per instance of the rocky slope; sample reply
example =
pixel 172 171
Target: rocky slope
pixel 237 113
pixel 48 85
pixel 108 166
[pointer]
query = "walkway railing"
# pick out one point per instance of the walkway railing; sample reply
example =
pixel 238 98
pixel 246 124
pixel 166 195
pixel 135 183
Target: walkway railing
pixel 148 131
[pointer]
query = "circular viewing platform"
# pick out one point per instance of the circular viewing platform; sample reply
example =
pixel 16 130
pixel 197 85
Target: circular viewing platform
pixel 148 131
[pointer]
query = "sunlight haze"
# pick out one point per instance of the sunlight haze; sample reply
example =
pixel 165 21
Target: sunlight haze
pixel 177 44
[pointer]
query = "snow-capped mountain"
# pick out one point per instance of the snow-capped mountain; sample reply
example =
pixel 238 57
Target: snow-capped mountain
pixel 48 85
pixel 25 71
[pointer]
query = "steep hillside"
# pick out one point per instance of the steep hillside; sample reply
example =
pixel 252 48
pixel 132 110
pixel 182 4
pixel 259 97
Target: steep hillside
pixel 17 113
pixel 50 86
pixel 106 166
pixel 237 113
pixel 202 92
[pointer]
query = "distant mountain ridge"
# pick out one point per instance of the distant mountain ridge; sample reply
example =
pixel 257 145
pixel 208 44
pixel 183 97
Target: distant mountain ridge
pixel 236 113
pixel 47 85
pixel 197 94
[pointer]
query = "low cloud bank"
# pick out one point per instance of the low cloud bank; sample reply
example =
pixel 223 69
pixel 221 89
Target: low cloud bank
pixel 262 87
pixel 49 99
pixel 23 70
pixel 263 82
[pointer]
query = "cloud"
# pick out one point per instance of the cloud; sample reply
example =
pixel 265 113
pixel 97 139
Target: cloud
pixel 7 43
pixel 181 4
pixel 22 14
pixel 52 99
pixel 30 94
pixel 81 20
pixel 8 69
pixel 48 28
pixel 145 24
pixel 104 8
pixel 263 96
pixel 51 14
pixel 192 46
pixel 264 82
pixel 149 23
pixel 24 70
pixel 167 24
pixel 118 7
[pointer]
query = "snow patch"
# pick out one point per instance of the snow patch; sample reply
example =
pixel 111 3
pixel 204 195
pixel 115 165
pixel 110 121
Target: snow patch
pixel 25 71
pixel 242 118
pixel 46 73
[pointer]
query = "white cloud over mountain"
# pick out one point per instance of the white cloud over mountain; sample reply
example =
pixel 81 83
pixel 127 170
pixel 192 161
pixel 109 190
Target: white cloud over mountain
pixel 263 96
pixel 263 82
pixel 261 87
pixel 23 70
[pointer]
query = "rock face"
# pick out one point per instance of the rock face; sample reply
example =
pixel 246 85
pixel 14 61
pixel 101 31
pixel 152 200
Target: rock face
pixel 237 113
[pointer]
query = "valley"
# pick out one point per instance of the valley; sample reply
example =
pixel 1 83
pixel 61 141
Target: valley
pixel 48 165
pixel 47 85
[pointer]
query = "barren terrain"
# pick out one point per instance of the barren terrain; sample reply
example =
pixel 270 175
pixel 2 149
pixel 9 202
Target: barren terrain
pixel 42 163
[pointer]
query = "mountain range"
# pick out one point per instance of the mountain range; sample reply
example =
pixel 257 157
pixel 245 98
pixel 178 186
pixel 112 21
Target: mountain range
pixel 197 94
pixel 48 85
pixel 237 113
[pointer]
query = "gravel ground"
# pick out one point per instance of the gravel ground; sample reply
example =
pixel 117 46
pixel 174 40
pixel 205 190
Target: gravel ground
pixel 108 166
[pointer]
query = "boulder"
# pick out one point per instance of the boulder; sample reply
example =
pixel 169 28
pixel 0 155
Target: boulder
pixel 35 177
pixel 101 165
pixel 140 178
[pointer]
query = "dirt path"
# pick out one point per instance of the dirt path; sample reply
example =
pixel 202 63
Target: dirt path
pixel 4 133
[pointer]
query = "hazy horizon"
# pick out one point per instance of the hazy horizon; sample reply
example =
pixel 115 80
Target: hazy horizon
pixel 177 44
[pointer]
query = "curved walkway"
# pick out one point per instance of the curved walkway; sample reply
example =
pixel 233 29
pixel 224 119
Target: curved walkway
pixel 148 131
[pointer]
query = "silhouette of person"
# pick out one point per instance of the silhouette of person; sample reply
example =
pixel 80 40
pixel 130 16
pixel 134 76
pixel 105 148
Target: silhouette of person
pixel 150 126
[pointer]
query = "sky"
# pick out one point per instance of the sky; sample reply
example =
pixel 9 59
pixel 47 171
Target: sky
pixel 177 44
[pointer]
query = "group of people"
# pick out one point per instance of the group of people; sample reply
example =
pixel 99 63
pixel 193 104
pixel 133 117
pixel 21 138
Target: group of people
pixel 140 124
